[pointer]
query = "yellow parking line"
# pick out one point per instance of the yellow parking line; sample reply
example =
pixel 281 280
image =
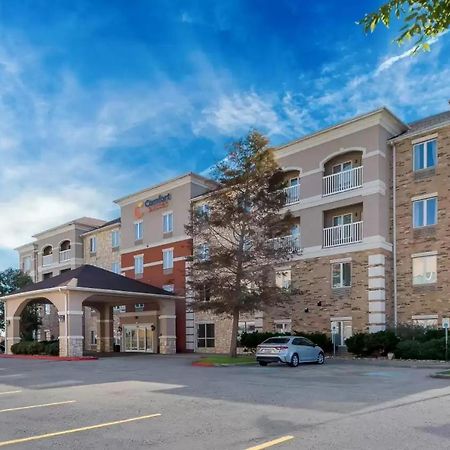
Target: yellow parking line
pixel 268 444
pixel 9 392
pixel 37 406
pixel 75 430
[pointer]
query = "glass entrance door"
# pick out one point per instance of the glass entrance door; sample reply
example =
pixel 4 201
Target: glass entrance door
pixel 138 338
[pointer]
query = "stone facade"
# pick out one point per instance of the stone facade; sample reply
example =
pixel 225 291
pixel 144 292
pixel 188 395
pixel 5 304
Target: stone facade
pixel 427 300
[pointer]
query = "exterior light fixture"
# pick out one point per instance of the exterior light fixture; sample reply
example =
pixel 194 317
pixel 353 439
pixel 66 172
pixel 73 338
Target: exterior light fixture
pixel 61 318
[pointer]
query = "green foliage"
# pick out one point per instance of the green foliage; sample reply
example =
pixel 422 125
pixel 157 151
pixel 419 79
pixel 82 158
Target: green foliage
pixel 30 321
pixel 413 349
pixel 36 348
pixel 372 344
pixel 252 340
pixel 10 281
pixel 423 20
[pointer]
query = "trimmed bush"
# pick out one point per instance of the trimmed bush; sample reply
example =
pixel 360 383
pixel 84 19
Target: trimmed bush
pixel 36 348
pixel 372 344
pixel 414 349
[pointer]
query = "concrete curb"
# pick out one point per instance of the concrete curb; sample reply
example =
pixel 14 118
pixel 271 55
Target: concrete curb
pixel 50 358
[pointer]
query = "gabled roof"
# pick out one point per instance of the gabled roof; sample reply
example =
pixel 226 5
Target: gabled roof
pixel 92 277
pixel 423 125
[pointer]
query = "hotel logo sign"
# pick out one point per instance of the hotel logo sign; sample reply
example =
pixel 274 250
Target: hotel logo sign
pixel 151 205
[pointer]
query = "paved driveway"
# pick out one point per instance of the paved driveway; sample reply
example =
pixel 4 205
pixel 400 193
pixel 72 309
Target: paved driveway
pixel 161 402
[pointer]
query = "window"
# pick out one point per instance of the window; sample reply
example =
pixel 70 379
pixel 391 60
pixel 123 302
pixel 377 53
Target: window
pixel 168 222
pixel 203 252
pixel 115 267
pixel 168 287
pixel 430 321
pixel 424 269
pixel 47 335
pixel 47 275
pixel 205 335
pixel 341 275
pixel 343 219
pixel 424 155
pixel 93 244
pixel 139 307
pixel 138 230
pixel 203 210
pixel 27 264
pixel 115 239
pixel 168 258
pixel 283 279
pixel 120 309
pixel 302 341
pixel 246 327
pixel 139 265
pixel 47 309
pixel 282 326
pixel 425 212
pixel 93 338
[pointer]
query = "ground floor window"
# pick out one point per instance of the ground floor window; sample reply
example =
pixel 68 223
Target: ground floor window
pixel 283 326
pixel 430 321
pixel 424 269
pixel 93 338
pixel 205 335
pixel 246 327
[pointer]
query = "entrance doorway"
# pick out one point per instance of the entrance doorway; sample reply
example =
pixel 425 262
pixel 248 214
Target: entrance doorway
pixel 138 338
pixel 342 330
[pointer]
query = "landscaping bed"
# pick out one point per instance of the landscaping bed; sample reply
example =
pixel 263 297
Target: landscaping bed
pixel 50 358
pixel 223 360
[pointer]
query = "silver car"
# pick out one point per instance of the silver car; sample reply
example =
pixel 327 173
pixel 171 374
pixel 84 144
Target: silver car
pixel 291 350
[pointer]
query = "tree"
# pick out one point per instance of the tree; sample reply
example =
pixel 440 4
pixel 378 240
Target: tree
pixel 238 236
pixel 423 20
pixel 10 281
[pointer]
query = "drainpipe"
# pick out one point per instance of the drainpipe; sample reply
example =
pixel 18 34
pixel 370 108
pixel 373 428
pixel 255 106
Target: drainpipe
pixel 394 230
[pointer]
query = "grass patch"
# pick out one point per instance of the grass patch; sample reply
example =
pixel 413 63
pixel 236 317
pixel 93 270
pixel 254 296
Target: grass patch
pixel 225 359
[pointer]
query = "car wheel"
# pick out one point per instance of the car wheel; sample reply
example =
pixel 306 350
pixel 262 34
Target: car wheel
pixel 262 363
pixel 294 360
pixel 320 358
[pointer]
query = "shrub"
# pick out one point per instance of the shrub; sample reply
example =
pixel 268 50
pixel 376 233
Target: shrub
pixel 36 348
pixel 372 344
pixel 414 349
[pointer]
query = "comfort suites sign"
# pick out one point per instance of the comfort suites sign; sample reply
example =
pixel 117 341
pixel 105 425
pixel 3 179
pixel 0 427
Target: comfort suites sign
pixel 151 204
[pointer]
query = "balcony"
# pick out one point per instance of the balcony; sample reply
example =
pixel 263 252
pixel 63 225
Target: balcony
pixel 343 181
pixel 349 233
pixel 291 242
pixel 64 255
pixel 47 260
pixel 292 194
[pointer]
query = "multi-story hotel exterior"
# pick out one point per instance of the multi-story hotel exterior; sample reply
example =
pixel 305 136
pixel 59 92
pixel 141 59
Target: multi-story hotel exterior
pixel 154 244
pixel 370 196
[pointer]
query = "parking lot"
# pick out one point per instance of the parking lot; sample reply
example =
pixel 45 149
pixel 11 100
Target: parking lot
pixel 151 401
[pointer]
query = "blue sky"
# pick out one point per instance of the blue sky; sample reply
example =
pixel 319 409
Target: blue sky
pixel 99 99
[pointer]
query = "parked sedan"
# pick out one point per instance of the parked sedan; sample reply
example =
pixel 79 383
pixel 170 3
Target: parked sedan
pixel 290 350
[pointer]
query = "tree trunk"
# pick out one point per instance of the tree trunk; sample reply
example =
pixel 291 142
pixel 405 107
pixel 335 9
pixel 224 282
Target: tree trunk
pixel 234 333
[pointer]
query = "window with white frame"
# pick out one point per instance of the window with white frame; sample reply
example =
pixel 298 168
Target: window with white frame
pixel 168 222
pixel 139 307
pixel 139 265
pixel 205 335
pixel 168 287
pixel 115 239
pixel 167 258
pixel 120 309
pixel 246 327
pixel 93 244
pixel 424 155
pixel 424 269
pixel 203 252
pixel 138 230
pixel 283 278
pixel 341 274
pixel 27 264
pixel 47 309
pixel 283 326
pixel 425 212
pixel 115 267
pixel 430 321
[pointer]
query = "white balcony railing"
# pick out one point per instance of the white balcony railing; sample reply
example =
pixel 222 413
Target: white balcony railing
pixel 292 242
pixel 292 194
pixel 349 233
pixel 64 255
pixel 343 181
pixel 47 260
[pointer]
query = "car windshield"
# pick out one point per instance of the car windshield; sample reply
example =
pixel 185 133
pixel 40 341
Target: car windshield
pixel 276 341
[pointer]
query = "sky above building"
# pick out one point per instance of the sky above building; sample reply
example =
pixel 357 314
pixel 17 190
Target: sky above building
pixel 100 99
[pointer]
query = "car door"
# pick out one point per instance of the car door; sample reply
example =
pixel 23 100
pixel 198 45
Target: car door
pixel 306 349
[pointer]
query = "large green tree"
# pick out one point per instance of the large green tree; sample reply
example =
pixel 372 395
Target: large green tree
pixel 239 236
pixel 422 19
pixel 10 281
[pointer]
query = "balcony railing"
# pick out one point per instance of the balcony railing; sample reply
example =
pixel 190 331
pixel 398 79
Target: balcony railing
pixel 47 260
pixel 64 255
pixel 349 233
pixel 343 181
pixel 292 194
pixel 291 242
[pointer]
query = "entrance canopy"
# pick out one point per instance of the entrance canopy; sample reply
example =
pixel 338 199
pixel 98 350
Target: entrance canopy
pixel 94 287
